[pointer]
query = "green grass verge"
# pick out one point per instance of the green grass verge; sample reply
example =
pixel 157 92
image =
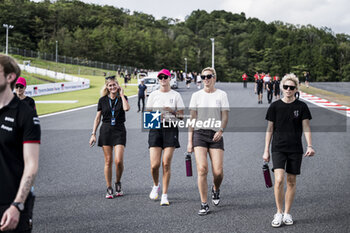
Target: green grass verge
pixel 63 67
pixel 328 95
pixel 85 97
pixel 35 79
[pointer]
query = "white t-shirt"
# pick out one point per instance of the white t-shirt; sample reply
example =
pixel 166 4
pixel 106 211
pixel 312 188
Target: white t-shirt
pixel 157 100
pixel 209 107
pixel 267 78
pixel 199 79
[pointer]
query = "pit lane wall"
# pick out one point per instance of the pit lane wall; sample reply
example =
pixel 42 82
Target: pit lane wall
pixel 69 82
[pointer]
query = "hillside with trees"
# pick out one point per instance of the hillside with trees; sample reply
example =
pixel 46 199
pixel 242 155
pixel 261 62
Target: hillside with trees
pixel 115 35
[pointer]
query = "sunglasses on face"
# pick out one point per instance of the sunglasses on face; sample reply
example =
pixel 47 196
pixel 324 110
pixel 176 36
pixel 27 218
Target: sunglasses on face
pixel 163 77
pixel 208 76
pixel 285 87
pixel 19 86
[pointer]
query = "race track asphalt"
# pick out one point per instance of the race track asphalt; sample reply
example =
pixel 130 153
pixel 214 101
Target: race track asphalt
pixel 70 186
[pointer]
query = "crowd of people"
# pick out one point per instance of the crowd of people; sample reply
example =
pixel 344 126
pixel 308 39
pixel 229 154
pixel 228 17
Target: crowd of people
pixel 272 86
pixel 287 119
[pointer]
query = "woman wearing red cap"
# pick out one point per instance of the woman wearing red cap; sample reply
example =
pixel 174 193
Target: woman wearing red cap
pixel 170 106
pixel 20 89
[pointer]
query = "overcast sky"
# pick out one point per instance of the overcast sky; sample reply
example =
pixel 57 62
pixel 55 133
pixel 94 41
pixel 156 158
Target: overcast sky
pixel 333 14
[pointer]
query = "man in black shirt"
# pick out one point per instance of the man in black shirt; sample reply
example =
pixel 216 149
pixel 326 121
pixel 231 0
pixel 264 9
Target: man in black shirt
pixel 269 88
pixel 287 119
pixel 259 89
pixel 141 95
pixel 19 152
pixel 276 87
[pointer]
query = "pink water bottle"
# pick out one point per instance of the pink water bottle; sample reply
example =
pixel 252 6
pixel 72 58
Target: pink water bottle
pixel 267 176
pixel 188 162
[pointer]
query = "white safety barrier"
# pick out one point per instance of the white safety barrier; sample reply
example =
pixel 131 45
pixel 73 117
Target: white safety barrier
pixel 74 84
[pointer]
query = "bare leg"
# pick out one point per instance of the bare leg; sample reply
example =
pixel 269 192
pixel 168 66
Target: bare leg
pixel 202 171
pixel 155 157
pixel 217 159
pixel 279 191
pixel 167 156
pixel 290 193
pixel 107 150
pixel 119 161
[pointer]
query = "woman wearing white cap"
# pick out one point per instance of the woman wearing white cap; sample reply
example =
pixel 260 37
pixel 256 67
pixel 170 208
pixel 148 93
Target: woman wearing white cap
pixel 170 105
pixel 20 89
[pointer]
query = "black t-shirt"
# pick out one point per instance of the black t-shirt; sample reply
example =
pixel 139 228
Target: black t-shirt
pixel 270 85
pixel 259 83
pixel 287 127
pixel 142 89
pixel 28 100
pixel 276 83
pixel 18 125
pixel 105 108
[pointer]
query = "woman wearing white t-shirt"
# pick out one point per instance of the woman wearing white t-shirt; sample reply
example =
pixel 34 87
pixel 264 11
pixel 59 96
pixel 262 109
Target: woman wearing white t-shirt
pixel 170 104
pixel 208 104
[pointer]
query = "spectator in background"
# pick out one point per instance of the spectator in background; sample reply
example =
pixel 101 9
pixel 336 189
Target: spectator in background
pixel 142 95
pixel 20 89
pixel 259 89
pixel 266 79
pixel 276 86
pixel 245 77
pixel 307 79
pixel 269 88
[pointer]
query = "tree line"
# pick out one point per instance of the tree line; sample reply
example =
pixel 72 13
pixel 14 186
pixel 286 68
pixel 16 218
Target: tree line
pixel 115 35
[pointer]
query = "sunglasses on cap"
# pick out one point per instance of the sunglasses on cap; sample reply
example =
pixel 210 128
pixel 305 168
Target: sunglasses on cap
pixel 19 86
pixel 110 77
pixel 208 76
pixel 285 87
pixel 162 76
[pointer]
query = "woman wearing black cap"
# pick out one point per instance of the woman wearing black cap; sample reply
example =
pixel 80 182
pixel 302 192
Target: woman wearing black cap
pixel 170 105
pixel 112 107
pixel 20 89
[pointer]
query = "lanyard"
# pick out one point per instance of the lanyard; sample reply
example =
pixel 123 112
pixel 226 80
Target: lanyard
pixel 113 106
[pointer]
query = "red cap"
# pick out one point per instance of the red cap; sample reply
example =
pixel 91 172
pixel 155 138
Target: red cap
pixel 21 81
pixel 165 72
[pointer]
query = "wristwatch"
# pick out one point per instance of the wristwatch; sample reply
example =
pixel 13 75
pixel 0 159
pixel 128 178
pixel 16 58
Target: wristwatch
pixel 18 205
pixel 221 129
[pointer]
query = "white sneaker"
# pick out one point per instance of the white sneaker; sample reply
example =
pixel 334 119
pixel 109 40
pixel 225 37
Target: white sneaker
pixel 277 220
pixel 287 219
pixel 164 201
pixel 154 193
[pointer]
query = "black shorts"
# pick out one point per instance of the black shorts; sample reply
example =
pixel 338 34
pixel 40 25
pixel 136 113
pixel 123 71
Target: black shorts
pixel 259 91
pixel 188 81
pixel 277 92
pixel 112 135
pixel 204 138
pixel 164 137
pixel 290 162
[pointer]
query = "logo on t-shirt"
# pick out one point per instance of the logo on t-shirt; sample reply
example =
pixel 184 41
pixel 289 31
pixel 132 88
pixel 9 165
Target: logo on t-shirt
pixel 296 113
pixel 151 120
pixel 171 100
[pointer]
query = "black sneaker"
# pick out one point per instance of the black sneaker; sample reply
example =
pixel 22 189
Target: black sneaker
pixel 204 210
pixel 118 189
pixel 109 194
pixel 215 195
